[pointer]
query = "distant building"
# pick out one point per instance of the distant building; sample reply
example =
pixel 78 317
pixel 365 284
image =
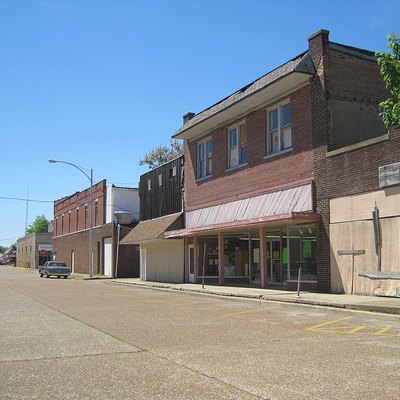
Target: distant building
pixel 34 249
pixel 9 256
pixel 115 211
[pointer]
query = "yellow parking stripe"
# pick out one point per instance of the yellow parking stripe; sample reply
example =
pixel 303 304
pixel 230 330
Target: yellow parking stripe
pixel 243 312
pixel 331 326
pixel 318 327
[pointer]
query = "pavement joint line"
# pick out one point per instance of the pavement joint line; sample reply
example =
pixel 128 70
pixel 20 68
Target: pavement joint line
pixel 220 381
pixel 71 356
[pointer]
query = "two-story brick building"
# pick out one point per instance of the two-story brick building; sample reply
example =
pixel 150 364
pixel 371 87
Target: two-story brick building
pixel 262 165
pixel 115 211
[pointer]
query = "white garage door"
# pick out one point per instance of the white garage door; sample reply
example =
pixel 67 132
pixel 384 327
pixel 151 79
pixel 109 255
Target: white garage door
pixel 108 256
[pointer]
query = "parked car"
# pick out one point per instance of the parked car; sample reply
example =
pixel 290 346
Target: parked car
pixel 54 268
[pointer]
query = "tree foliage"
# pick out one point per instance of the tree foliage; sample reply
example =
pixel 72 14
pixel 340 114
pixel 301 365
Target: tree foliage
pixel 162 154
pixel 389 63
pixel 40 224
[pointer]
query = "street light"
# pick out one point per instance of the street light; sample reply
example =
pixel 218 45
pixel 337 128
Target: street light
pixel 90 211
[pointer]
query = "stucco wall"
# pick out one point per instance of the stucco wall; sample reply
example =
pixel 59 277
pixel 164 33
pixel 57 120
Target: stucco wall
pixel 351 227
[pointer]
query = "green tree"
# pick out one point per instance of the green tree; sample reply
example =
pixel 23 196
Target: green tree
pixel 40 224
pixel 389 64
pixel 162 154
pixel 2 249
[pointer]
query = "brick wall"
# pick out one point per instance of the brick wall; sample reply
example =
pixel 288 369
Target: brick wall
pixel 318 45
pixel 349 77
pixel 353 77
pixel 356 171
pixel 70 212
pixel 259 175
pixel 78 242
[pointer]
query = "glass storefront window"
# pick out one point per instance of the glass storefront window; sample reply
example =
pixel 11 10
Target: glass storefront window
pixel 208 256
pixel 236 255
pixel 302 251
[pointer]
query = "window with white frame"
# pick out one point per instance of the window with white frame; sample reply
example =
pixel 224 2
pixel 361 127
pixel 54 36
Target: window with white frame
pixel 279 129
pixel 204 158
pixel 237 145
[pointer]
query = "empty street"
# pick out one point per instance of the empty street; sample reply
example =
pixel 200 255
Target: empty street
pixel 76 339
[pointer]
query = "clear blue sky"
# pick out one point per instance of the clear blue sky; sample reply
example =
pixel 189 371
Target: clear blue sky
pixel 100 82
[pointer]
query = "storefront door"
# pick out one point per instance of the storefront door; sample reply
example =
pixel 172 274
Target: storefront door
pixel 276 275
pixel 191 264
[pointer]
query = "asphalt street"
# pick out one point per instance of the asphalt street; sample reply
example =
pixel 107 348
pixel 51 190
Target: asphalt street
pixel 78 339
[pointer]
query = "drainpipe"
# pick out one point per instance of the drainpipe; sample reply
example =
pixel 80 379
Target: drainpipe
pixel 117 255
pixel 377 235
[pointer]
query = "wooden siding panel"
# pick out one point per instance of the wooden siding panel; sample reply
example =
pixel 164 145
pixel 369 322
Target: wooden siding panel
pixel 165 260
pixel 161 199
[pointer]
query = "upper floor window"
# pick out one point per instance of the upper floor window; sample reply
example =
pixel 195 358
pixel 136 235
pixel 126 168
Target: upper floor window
pixel 86 213
pixel 237 145
pixel 96 212
pixel 279 132
pixel 204 158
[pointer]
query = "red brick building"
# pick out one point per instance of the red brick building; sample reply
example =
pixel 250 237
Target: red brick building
pixel 72 224
pixel 262 164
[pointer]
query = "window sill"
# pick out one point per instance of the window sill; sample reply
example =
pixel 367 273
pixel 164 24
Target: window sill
pixel 272 155
pixel 236 167
pixel 203 178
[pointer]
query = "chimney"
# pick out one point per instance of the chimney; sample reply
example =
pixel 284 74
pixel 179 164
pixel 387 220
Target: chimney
pixel 318 42
pixel 187 117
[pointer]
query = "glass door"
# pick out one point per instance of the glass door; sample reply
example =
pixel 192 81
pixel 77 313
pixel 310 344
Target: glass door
pixel 255 261
pixel 191 264
pixel 275 272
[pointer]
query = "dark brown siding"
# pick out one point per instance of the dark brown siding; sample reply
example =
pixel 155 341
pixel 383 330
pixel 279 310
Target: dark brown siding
pixel 165 198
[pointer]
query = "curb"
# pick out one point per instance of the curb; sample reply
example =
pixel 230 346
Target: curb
pixel 317 303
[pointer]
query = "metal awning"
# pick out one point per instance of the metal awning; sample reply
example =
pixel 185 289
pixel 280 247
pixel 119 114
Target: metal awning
pixel 152 229
pixel 294 203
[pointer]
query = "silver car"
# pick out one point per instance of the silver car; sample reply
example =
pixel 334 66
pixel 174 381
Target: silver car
pixel 54 268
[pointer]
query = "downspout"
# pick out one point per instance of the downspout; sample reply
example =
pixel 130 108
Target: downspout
pixel 117 255
pixel 377 235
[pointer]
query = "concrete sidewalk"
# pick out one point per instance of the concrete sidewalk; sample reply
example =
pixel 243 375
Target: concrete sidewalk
pixel 389 305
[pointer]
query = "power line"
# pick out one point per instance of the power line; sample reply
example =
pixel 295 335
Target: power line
pixel 26 200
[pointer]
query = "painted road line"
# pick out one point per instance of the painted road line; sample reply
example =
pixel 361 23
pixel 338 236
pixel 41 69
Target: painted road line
pixel 330 326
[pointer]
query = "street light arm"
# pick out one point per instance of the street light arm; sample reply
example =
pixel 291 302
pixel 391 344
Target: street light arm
pixel 72 165
pixel 90 209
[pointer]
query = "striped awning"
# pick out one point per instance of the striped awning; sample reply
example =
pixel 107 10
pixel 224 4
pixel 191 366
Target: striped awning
pixel 294 203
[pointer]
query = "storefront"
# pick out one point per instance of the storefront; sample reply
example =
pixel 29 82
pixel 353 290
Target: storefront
pixel 286 248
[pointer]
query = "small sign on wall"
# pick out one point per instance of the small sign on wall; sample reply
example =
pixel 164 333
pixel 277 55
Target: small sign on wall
pixel 45 247
pixel 389 175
